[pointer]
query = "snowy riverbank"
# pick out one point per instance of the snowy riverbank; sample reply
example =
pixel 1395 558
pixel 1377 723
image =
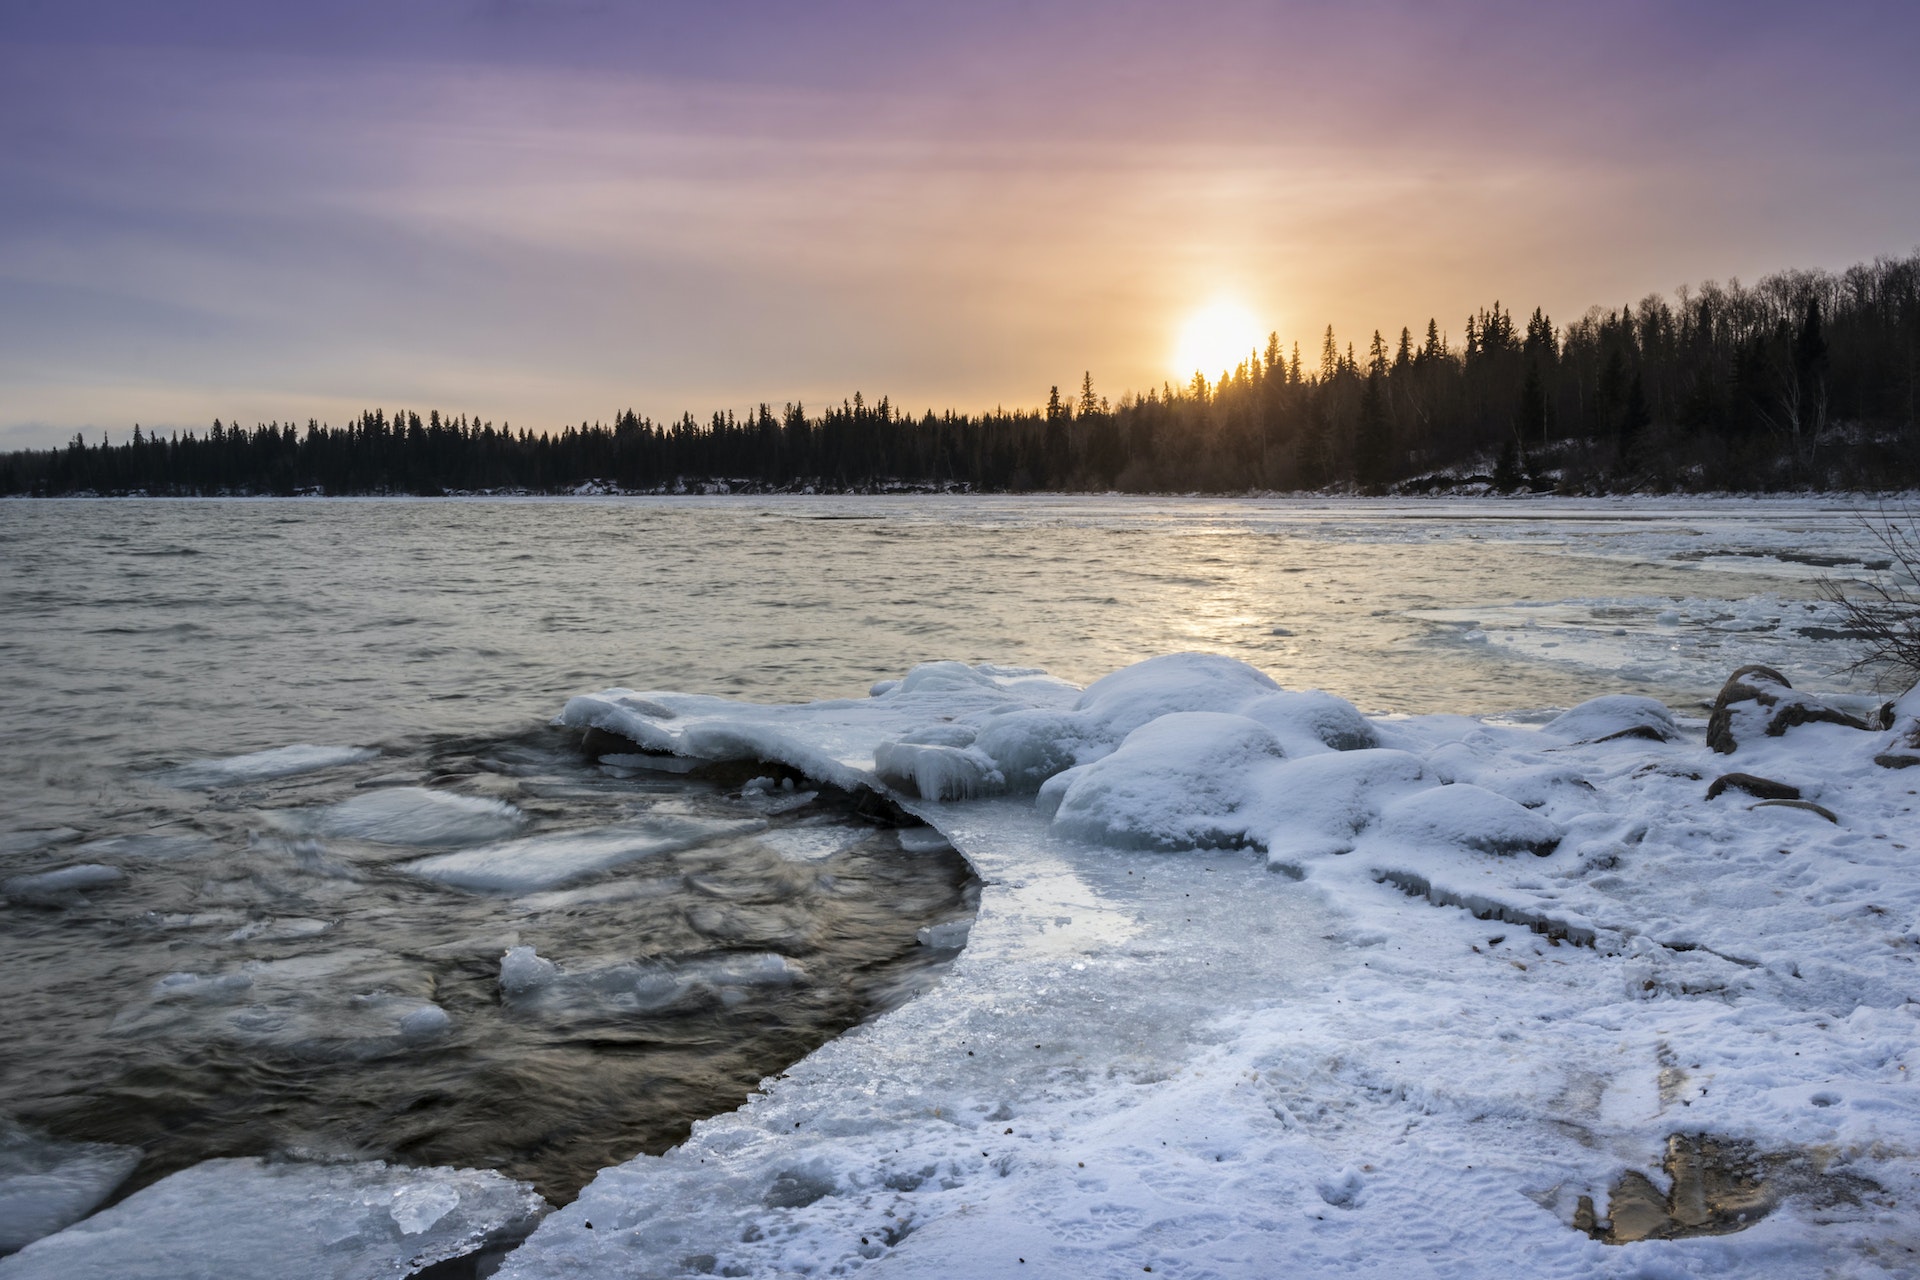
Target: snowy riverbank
pixel 1442 994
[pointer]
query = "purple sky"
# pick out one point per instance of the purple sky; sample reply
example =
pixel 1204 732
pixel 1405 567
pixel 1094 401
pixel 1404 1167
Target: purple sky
pixel 549 210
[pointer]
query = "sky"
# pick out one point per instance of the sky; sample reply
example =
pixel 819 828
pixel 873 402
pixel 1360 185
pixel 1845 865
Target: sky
pixel 549 211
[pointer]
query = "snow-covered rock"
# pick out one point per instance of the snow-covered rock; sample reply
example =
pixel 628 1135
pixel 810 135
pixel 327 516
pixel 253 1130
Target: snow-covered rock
pixel 1615 715
pixel 1758 701
pixel 1900 748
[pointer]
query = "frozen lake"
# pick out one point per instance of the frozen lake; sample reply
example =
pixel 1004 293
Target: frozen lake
pixel 321 935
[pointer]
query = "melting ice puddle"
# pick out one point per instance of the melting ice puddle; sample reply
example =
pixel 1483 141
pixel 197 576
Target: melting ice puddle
pixel 285 972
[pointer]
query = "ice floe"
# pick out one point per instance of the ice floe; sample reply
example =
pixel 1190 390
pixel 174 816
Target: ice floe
pixel 532 984
pixel 261 766
pixel 345 1005
pixel 549 860
pixel 406 815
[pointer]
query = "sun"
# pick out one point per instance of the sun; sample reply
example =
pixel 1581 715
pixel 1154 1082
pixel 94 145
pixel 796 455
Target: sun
pixel 1216 338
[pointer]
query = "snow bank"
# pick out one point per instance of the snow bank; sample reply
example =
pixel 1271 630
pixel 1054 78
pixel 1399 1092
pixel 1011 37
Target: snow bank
pixel 255 1218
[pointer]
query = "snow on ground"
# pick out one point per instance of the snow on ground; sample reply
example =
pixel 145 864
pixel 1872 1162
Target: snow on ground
pixel 1416 1001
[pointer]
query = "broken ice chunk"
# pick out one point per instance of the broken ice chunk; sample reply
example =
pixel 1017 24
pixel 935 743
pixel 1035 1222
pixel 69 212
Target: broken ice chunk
pixel 250 1217
pixel 46 1185
pixel 545 861
pixel 406 815
pixel 262 766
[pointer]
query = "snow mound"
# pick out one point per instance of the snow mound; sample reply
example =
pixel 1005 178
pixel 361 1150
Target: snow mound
pixel 1320 804
pixel 1131 696
pixel 547 861
pixel 46 1185
pixel 1615 715
pixel 251 1218
pixel 833 741
pixel 1469 817
pixel 1183 780
pixel 1308 721
pixel 263 766
pixel 406 815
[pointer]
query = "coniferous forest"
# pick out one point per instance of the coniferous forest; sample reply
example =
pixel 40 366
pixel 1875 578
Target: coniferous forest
pixel 1805 380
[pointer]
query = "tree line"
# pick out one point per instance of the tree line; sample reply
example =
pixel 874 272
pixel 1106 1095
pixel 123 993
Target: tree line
pixel 1805 380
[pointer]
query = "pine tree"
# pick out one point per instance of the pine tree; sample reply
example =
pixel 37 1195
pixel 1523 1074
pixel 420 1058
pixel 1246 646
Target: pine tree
pixel 1532 417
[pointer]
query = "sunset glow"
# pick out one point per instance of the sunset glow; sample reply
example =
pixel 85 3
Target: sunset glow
pixel 1216 338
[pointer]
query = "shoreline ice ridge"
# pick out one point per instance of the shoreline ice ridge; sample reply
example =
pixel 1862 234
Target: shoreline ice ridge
pixel 1503 972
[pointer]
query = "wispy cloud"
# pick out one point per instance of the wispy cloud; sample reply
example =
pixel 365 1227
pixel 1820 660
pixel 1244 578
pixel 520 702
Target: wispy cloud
pixel 548 212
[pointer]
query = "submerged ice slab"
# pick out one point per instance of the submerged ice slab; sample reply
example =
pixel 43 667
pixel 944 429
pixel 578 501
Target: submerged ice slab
pixel 548 861
pixel 406 815
pixel 352 1004
pixel 46 1185
pixel 62 887
pixel 254 1218
pixel 260 766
